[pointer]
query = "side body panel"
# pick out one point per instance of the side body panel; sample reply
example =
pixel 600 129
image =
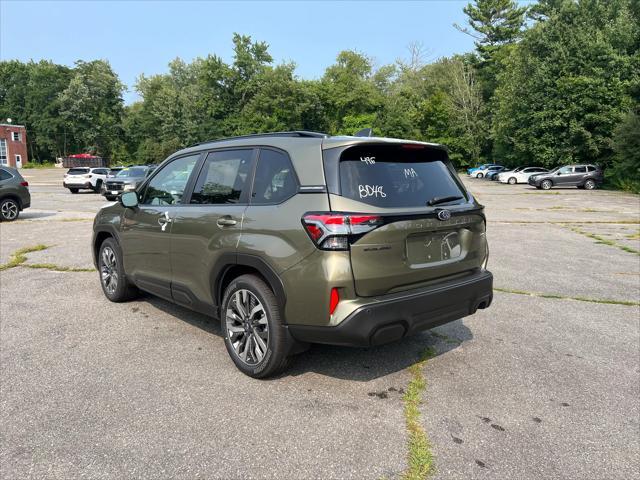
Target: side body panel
pixel 197 245
pixel 146 247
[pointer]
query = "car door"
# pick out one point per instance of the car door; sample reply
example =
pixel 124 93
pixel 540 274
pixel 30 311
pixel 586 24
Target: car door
pixel 207 227
pixel 564 176
pixel 579 174
pixel 146 229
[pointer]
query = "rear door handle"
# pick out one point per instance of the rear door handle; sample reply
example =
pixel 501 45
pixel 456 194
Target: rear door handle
pixel 226 221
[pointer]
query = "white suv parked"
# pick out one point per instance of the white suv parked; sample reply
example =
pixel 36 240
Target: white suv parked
pixel 85 178
pixel 519 176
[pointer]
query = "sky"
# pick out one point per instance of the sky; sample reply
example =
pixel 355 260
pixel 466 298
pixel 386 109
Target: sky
pixel 143 36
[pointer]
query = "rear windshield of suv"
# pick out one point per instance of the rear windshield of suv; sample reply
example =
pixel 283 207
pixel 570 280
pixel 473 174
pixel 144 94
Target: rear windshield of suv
pixel 78 171
pixel 132 172
pixel 395 176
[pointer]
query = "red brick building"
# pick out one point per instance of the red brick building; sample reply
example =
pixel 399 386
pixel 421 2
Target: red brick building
pixel 13 145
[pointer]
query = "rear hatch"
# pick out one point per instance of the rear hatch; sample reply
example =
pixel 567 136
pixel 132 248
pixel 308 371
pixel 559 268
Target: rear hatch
pixel 77 175
pixel 430 228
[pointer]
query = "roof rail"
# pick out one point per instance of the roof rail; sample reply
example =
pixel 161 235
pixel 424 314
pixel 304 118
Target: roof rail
pixel 296 133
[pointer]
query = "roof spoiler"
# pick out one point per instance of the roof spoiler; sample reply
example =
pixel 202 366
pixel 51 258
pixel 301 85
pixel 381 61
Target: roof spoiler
pixel 365 132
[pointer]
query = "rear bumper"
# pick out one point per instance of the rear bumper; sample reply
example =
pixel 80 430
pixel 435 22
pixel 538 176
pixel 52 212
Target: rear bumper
pixel 400 315
pixel 77 185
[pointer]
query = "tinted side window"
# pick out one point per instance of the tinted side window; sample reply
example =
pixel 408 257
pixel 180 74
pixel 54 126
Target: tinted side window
pixel 167 187
pixel 580 170
pixel 4 175
pixel 223 177
pixel 565 170
pixel 275 179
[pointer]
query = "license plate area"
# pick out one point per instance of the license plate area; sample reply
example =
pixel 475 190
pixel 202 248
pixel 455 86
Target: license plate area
pixel 434 247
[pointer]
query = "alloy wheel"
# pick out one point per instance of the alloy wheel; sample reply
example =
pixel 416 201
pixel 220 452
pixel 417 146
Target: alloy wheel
pixel 546 185
pixel 247 327
pixel 109 270
pixel 9 210
pixel 512 181
pixel 590 185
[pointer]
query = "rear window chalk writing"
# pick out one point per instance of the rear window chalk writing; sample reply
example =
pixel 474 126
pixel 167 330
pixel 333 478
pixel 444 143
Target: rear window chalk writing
pixel 410 173
pixel 371 191
pixel 368 160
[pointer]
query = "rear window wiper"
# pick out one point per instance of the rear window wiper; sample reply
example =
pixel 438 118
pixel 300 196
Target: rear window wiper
pixel 439 200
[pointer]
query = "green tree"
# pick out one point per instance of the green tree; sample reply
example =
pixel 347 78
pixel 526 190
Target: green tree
pixel 92 108
pixel 566 85
pixel 625 170
pixel 29 95
pixel 348 89
pixel 495 24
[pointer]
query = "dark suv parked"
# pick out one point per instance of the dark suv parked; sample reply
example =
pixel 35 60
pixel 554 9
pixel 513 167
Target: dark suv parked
pixel 126 179
pixel 581 176
pixel 298 237
pixel 14 194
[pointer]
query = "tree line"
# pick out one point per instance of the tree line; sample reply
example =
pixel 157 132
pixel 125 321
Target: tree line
pixel 552 83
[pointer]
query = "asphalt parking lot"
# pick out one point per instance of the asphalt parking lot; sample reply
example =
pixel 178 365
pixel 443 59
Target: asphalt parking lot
pixel 544 384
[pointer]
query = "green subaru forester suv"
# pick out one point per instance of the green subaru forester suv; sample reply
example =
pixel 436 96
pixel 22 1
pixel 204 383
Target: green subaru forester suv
pixel 299 237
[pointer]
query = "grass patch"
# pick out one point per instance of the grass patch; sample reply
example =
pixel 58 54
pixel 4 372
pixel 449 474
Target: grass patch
pixel 564 297
pixel 35 165
pixel 420 457
pixel 19 256
pixel 605 241
pixel 634 236
pixel 446 338
pixel 57 268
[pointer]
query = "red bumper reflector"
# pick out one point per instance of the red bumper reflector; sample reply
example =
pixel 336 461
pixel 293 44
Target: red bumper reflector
pixel 333 302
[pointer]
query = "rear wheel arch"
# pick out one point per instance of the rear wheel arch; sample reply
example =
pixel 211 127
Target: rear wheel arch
pixel 231 266
pixel 13 197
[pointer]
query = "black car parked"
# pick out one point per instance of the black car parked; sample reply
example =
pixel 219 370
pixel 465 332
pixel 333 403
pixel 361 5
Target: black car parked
pixel 581 176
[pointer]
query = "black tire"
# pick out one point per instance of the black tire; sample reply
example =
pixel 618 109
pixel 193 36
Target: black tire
pixel 9 210
pixel 512 181
pixel 278 342
pixel 123 289
pixel 479 175
pixel 98 186
pixel 546 184
pixel 110 198
pixel 73 190
pixel 590 184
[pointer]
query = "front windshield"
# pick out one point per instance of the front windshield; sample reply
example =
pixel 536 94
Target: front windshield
pixel 131 172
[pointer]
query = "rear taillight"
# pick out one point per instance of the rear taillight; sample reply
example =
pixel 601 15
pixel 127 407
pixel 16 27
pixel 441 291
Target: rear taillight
pixel 88 176
pixel 331 231
pixel 24 184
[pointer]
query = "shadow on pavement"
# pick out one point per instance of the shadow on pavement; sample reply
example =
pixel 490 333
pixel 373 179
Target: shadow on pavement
pixel 358 364
pixel 29 215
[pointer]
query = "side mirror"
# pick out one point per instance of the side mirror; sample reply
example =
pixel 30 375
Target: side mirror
pixel 559 173
pixel 129 199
